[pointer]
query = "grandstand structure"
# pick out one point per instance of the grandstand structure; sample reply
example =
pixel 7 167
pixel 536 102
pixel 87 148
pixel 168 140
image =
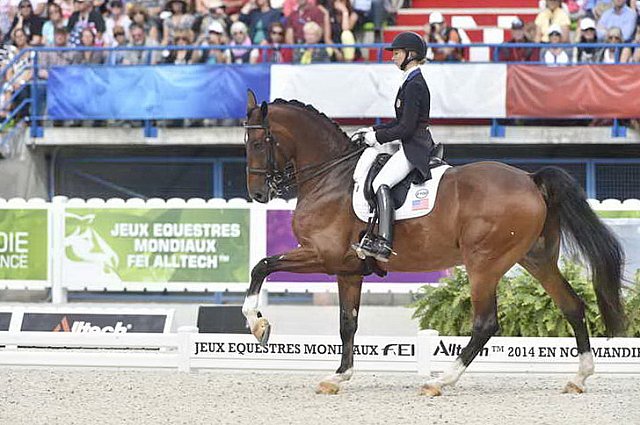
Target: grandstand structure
pixel 137 156
pixel 485 22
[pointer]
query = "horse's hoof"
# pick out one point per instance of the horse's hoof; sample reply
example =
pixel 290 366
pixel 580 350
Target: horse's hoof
pixel 326 387
pixel 262 330
pixel 572 388
pixel 430 390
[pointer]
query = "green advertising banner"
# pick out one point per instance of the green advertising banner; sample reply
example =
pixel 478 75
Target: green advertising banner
pixel 24 235
pixel 156 245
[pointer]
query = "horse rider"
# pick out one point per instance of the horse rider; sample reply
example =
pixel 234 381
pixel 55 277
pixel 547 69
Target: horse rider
pixel 411 128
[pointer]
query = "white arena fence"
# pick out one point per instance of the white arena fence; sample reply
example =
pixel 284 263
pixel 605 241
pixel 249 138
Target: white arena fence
pixel 188 351
pixel 179 245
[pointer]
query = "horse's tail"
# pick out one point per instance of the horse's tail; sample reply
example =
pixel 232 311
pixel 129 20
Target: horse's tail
pixel 583 231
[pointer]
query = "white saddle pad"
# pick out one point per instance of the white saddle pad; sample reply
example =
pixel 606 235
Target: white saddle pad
pixel 420 198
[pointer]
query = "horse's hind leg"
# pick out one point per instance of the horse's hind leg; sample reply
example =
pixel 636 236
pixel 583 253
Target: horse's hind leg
pixel 485 325
pixel 541 262
pixel 349 287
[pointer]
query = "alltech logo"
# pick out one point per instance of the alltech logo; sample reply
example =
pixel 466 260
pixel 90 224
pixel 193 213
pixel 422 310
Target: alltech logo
pixel 93 322
pixel 86 327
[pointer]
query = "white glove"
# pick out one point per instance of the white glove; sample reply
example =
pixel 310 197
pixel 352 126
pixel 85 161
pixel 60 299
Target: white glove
pixel 361 131
pixel 370 138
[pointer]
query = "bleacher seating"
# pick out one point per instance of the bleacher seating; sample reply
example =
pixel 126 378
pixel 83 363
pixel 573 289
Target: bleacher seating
pixel 487 24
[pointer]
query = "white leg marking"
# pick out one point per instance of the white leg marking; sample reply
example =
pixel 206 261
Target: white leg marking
pixel 250 310
pixel 585 369
pixel 337 378
pixel 451 376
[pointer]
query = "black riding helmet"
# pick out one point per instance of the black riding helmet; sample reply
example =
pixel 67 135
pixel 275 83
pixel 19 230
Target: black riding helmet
pixel 410 42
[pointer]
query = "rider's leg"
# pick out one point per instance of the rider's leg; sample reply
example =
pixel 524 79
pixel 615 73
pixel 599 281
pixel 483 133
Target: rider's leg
pixel 391 174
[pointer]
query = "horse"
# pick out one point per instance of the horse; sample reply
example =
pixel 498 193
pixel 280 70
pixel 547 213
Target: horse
pixel 488 217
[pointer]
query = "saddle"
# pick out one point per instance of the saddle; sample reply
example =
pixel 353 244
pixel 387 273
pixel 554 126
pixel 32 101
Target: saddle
pixel 400 190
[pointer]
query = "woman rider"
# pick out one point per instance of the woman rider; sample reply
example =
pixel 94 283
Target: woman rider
pixel 411 128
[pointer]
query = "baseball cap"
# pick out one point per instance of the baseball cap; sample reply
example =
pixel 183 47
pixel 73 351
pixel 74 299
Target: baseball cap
pixel 216 27
pixel 555 28
pixel 517 24
pixel 436 18
pixel 587 23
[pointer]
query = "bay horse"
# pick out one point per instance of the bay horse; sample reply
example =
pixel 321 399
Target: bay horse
pixel 488 217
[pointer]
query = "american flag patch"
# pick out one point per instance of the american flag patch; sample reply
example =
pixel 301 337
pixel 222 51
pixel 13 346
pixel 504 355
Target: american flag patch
pixel 420 204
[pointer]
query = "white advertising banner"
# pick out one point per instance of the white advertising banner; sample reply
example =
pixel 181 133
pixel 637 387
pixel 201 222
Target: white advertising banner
pixel 473 91
pixel 339 90
pixel 368 91
pixel 541 355
pixel 302 352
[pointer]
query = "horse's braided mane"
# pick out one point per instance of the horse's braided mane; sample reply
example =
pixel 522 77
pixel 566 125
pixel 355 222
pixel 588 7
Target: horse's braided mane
pixel 311 109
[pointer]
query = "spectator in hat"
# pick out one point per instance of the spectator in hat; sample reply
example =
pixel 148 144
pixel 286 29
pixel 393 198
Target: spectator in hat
pixel 56 20
pixel 139 38
pixel 519 54
pixel 587 34
pixel 258 15
pixel 116 18
pixel 85 16
pixel 215 13
pixel 555 55
pixel 216 37
pixel 553 14
pixel 176 19
pixel 619 16
pixel 29 22
pixel 139 15
pixel 241 51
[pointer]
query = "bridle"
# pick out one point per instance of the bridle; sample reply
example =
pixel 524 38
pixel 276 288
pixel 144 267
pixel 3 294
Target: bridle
pixel 281 181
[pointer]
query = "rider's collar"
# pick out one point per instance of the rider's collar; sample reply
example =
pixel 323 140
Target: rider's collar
pixel 407 73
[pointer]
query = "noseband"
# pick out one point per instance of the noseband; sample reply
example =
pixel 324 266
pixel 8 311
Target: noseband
pixel 280 181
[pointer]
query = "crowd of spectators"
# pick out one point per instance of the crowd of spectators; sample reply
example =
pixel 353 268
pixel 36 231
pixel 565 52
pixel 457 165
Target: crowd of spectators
pixel 579 22
pixel 229 31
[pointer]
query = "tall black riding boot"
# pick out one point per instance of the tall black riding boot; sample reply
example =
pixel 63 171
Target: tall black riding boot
pixel 384 242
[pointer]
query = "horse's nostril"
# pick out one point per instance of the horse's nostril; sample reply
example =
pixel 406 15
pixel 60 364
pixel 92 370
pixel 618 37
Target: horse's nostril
pixel 258 196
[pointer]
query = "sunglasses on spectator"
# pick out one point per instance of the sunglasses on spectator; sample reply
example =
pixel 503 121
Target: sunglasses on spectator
pixel 614 37
pixel 277 32
pixel 117 34
pixel 25 6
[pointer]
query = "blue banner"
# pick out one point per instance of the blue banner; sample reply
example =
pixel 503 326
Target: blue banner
pixel 154 92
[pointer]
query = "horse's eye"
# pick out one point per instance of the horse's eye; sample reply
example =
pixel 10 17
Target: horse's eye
pixel 258 145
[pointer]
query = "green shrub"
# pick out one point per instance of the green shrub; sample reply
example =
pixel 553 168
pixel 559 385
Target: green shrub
pixel 524 308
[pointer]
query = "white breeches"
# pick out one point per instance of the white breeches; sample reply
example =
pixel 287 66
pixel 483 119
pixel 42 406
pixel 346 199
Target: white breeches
pixel 396 169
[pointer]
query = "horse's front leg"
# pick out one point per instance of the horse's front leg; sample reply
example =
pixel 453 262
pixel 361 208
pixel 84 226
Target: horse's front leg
pixel 349 287
pixel 301 260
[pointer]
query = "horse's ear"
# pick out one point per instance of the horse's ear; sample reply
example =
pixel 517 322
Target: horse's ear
pixel 251 101
pixel 264 109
